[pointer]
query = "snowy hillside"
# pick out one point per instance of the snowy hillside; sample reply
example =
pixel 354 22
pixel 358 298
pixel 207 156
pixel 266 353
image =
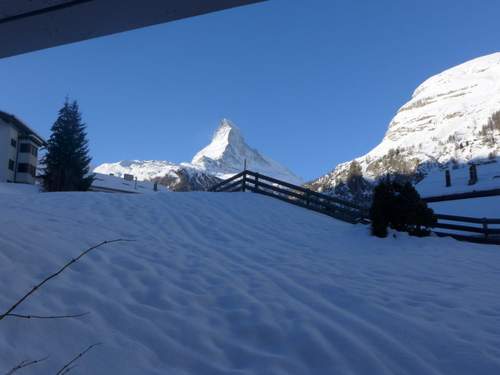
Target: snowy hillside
pixel 452 118
pixel 235 283
pixel 435 184
pixel 222 158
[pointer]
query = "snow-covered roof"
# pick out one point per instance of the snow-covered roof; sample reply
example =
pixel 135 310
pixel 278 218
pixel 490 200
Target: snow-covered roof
pixel 11 119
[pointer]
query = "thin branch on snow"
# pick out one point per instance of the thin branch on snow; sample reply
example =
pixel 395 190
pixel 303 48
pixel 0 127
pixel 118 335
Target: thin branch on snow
pixel 26 363
pixel 21 316
pixel 55 274
pixel 69 366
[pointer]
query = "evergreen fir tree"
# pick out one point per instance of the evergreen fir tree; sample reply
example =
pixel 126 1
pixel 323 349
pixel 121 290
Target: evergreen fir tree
pixel 400 207
pixel 67 160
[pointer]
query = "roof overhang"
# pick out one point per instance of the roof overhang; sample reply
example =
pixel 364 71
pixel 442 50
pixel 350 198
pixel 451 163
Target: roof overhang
pixel 24 129
pixel 30 25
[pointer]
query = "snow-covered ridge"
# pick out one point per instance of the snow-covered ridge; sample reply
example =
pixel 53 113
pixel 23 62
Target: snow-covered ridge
pixel 224 157
pixel 447 121
pixel 227 153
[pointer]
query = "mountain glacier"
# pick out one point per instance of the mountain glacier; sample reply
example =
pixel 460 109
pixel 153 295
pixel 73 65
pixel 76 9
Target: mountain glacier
pixel 224 157
pixel 452 119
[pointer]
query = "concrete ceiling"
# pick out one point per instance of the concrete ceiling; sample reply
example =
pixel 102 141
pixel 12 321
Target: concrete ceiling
pixel 30 25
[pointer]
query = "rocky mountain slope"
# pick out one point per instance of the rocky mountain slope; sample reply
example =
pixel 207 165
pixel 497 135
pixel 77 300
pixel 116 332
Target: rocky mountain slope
pixel 222 158
pixel 452 119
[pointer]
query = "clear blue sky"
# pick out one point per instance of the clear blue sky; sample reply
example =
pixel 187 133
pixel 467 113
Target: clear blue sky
pixel 310 83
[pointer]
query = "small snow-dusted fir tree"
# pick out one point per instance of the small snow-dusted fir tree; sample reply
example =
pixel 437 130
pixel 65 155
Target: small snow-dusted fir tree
pixel 67 160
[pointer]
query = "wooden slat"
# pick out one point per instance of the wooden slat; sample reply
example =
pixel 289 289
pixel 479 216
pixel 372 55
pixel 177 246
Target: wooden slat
pixel 302 189
pixel 468 219
pixel 219 185
pixel 338 216
pixel 468 195
pixel 463 228
pixel 312 202
pixel 232 185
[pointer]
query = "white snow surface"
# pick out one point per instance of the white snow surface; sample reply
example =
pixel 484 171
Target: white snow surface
pixel 435 183
pixel 142 169
pixel 103 182
pixel 237 283
pixel 488 207
pixel 223 157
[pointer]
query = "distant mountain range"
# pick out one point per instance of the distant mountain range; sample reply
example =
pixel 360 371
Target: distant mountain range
pixel 452 119
pixel 223 157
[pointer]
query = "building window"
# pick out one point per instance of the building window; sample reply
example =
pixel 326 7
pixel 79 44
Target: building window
pixel 11 164
pixel 25 148
pixel 34 151
pixel 13 142
pixel 23 167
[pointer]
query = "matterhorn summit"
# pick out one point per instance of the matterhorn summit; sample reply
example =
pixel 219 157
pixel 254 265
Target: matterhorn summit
pixel 227 153
pixel 224 157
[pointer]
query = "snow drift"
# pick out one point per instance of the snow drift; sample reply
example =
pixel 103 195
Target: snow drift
pixel 235 283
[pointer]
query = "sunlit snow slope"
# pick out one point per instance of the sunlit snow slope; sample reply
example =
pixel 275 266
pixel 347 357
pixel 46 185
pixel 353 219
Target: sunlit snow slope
pixel 452 118
pixel 235 283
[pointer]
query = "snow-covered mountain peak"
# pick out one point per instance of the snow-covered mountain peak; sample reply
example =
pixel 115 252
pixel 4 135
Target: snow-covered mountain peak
pixel 227 136
pixel 451 118
pixel 222 158
pixel 228 153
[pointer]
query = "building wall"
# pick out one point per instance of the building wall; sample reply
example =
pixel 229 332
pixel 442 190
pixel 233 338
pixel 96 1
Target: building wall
pixel 17 163
pixel 27 161
pixel 7 151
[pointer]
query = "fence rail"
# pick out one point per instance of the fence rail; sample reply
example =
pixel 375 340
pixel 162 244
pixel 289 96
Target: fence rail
pixel 297 195
pixel 466 195
pixel 483 233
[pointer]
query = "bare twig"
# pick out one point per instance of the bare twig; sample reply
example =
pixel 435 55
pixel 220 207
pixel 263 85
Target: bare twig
pixel 68 366
pixel 26 363
pixel 21 316
pixel 36 287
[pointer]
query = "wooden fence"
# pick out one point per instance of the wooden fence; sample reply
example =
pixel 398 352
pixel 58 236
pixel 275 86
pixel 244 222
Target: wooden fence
pixel 482 230
pixel 297 195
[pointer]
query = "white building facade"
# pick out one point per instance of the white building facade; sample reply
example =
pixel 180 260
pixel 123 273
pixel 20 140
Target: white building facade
pixel 19 147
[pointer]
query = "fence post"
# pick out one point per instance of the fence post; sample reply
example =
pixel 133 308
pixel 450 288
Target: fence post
pixel 307 197
pixel 256 182
pixel 447 178
pixel 244 181
pixel 485 227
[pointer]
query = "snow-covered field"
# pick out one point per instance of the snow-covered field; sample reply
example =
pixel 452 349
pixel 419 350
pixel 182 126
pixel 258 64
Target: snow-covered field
pixel 235 283
pixel 478 207
pixel 434 183
pixel 105 183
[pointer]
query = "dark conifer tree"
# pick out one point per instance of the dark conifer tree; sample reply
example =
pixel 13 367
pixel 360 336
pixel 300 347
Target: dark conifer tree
pixel 400 207
pixel 67 160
